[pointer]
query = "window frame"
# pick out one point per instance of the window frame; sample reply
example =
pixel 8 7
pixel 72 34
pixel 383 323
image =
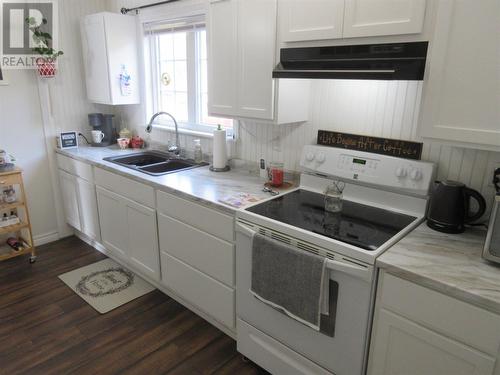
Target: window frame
pixel 152 88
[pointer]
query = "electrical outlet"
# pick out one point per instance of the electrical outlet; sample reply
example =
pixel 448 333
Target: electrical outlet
pixel 492 165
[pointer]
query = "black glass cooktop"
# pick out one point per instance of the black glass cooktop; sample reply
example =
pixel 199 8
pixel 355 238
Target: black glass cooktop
pixel 360 225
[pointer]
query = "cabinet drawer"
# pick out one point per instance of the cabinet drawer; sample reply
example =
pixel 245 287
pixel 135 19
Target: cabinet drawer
pixel 75 167
pixel 127 187
pixel 209 295
pixel 203 251
pixel 198 216
pixel 273 355
pixel 461 321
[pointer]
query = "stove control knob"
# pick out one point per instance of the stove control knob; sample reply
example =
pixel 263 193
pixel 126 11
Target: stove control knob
pixel 309 156
pixel 320 158
pixel 415 174
pixel 401 172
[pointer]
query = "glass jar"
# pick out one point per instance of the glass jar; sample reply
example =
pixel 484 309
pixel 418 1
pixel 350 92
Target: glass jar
pixel 334 196
pixel 276 174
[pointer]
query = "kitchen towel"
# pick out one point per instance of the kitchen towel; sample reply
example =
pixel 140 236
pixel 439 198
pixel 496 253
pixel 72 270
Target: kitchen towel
pixel 289 279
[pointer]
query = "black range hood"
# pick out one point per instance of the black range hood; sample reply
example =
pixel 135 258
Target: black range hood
pixel 393 61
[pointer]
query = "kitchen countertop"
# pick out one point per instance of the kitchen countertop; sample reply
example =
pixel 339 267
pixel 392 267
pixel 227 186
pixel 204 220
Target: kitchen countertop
pixel 198 184
pixel 448 263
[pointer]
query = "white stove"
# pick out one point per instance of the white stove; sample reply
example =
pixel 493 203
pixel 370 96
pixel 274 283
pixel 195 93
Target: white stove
pixel 383 200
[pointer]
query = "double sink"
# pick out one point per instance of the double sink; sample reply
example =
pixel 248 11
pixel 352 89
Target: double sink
pixel 154 163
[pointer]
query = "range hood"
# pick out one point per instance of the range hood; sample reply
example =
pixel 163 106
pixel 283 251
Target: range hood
pixel 393 61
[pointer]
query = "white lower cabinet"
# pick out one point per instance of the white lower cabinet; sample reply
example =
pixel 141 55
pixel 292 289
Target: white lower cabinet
pixel 87 202
pixel 198 256
pixel 69 191
pixel 207 294
pixel 128 231
pixel 419 331
pixel 79 196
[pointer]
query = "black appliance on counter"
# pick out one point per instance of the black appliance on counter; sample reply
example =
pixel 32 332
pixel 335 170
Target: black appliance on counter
pixel 104 123
pixel 449 207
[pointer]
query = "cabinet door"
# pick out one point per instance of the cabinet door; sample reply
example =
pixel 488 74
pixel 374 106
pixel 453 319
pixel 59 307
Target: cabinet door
pixel 113 220
pixel 383 17
pixel 69 192
pixel 95 60
pixel 310 20
pixel 461 90
pixel 88 209
pixel 143 252
pixel 222 57
pixel 257 48
pixel 401 346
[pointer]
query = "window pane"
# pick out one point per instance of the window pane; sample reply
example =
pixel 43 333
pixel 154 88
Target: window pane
pixel 166 45
pixel 180 76
pixel 180 45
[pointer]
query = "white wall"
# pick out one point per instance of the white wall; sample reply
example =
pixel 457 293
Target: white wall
pixel 21 133
pixel 377 108
pixel 24 129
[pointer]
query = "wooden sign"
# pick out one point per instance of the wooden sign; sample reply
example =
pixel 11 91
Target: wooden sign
pixel 384 146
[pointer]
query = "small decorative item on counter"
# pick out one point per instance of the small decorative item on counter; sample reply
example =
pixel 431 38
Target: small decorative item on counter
pixel 137 142
pixel 198 153
pixel 276 174
pixel 9 194
pixel 125 133
pixel 334 196
pixel 123 143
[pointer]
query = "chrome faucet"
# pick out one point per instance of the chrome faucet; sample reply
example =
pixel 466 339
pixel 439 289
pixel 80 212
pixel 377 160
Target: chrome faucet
pixel 176 148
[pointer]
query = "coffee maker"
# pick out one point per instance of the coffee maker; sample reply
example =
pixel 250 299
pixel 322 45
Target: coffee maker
pixel 104 123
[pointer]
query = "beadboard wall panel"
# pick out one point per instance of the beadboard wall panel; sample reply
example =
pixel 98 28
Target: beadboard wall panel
pixel 377 108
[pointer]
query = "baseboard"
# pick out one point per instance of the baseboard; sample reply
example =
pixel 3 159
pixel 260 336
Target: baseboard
pixel 172 294
pixel 42 239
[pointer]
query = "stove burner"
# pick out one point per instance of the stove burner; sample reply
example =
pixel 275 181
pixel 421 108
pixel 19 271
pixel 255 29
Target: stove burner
pixel 359 225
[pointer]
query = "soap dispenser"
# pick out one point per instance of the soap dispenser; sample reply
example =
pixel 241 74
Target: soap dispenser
pixel 198 153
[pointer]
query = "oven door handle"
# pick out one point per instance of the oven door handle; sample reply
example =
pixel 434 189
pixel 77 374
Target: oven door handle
pixel 360 272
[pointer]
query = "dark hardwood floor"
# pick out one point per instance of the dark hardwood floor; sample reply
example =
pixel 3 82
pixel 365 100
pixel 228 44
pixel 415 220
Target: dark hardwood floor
pixel 45 328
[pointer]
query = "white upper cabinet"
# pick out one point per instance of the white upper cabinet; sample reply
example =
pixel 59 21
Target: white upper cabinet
pixel 461 93
pixel 222 57
pixel 383 17
pixel 311 20
pixel 242 56
pixel 109 43
pixel 257 40
pixel 335 19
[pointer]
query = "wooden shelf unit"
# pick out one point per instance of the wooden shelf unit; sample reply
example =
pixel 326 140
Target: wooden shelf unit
pixel 23 229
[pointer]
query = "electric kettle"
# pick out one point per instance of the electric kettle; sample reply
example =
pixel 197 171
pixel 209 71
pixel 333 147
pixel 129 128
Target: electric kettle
pixel 449 207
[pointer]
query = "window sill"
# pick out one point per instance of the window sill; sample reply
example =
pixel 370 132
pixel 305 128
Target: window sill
pixel 185 131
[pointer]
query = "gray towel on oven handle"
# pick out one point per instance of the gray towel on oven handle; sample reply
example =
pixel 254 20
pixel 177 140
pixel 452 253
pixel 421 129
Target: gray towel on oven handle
pixel 289 279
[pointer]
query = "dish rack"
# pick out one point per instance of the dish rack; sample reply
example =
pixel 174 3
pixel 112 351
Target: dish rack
pixel 22 230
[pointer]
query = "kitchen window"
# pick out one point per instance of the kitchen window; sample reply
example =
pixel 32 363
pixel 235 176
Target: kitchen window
pixel 176 72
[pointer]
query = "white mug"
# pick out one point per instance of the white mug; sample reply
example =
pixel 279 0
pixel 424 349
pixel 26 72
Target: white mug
pixel 97 136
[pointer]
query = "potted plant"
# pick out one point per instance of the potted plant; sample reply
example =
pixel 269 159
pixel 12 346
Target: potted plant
pixel 46 63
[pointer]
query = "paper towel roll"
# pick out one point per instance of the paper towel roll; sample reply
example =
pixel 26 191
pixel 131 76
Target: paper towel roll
pixel 220 149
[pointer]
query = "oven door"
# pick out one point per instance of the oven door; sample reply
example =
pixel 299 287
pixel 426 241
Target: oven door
pixel 344 352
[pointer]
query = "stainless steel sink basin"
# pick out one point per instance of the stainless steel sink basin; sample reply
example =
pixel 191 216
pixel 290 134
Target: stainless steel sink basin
pixel 154 163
